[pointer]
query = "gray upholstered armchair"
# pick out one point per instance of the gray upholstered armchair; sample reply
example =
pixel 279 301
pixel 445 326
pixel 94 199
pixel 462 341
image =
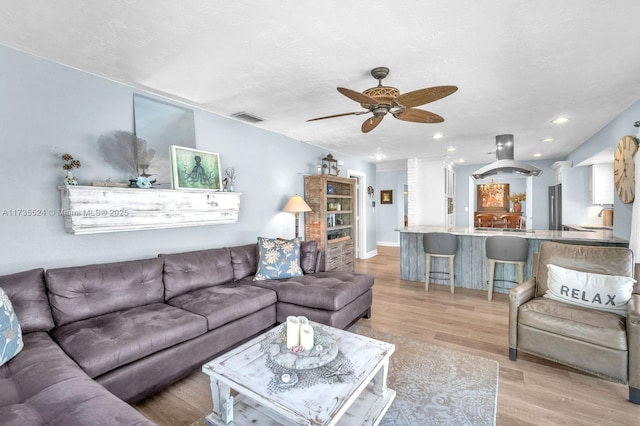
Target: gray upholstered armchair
pixel 598 342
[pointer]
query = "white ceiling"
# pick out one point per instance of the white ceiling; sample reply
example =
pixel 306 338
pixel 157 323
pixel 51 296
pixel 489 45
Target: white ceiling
pixel 517 65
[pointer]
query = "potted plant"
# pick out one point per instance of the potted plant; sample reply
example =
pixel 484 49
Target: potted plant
pixel 517 198
pixel 69 165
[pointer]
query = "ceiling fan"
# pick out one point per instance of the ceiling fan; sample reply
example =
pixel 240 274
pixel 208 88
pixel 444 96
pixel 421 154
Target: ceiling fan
pixel 381 100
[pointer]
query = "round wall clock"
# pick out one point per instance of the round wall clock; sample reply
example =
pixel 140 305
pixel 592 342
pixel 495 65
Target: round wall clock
pixel 624 169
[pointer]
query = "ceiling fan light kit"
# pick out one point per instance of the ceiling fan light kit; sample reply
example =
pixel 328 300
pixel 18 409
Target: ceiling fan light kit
pixel 382 100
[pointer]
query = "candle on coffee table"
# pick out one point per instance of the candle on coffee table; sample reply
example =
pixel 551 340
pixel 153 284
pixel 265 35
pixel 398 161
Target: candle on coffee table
pixel 306 337
pixel 293 332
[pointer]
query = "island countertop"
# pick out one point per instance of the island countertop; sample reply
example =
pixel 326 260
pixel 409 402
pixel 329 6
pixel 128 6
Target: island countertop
pixel 586 236
pixel 471 263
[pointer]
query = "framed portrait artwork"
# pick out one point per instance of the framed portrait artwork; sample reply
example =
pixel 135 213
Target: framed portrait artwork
pixel 386 196
pixel 195 169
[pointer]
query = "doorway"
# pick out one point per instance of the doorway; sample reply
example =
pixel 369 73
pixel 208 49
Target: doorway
pixel 361 216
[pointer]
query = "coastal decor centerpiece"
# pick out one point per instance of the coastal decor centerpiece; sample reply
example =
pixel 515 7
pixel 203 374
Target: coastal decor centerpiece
pixel 301 347
pixel 517 198
pixel 69 165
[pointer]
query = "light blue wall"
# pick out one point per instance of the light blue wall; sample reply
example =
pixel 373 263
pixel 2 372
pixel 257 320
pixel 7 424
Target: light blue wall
pixel 608 137
pixel 47 109
pixel 390 217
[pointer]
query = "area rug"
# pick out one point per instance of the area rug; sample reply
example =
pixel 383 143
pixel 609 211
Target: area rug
pixel 437 385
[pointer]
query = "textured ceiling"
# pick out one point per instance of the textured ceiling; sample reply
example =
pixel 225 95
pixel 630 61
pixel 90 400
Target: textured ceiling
pixel 517 65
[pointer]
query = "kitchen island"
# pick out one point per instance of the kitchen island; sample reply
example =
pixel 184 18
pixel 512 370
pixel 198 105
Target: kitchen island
pixel 471 264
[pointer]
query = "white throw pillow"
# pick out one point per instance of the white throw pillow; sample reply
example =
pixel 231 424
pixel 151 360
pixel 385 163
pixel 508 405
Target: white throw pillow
pixel 604 292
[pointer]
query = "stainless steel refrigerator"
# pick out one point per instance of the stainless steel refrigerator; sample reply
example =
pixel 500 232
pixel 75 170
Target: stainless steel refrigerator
pixel 555 207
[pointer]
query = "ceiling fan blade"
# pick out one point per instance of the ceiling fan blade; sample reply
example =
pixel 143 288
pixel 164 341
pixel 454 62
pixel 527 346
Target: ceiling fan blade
pixel 339 115
pixel 371 123
pixel 424 96
pixel 357 96
pixel 418 116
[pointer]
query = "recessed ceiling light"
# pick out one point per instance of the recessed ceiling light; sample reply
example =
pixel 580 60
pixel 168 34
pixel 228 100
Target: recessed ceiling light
pixel 560 120
pixel 547 140
pixel 461 160
pixel 537 154
pixel 438 136
pixel 451 149
pixel 379 157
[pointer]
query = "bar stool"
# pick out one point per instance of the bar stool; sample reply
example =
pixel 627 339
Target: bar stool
pixel 439 244
pixel 506 249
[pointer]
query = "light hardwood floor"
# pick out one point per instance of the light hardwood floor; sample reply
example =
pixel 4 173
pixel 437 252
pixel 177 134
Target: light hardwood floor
pixel 531 391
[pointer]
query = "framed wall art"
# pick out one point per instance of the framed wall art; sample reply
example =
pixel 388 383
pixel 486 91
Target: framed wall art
pixel 386 196
pixel 195 169
pixel 493 197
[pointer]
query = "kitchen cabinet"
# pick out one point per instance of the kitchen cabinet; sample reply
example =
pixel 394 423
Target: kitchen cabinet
pixel 431 185
pixel 601 184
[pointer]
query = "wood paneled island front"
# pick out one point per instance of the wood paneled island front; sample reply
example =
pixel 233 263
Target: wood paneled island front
pixel 471 264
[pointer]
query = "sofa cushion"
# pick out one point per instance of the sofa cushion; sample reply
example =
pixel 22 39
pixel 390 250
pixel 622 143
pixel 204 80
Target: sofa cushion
pixel 10 333
pixel 323 290
pixel 83 292
pixel 224 303
pixel 244 260
pixel 278 258
pixel 43 386
pixel 29 298
pixel 588 325
pixel 609 293
pixel 184 272
pixel 308 256
pixel 103 343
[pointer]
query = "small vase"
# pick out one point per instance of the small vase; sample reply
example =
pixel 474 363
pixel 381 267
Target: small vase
pixel 70 179
pixel 517 207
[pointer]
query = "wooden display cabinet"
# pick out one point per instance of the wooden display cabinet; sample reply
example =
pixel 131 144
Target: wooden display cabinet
pixel 332 219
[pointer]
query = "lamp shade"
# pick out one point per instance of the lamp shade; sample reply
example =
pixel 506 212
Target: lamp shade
pixel 296 205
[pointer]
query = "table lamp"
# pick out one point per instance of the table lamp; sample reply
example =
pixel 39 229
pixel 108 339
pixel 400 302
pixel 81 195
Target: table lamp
pixel 296 205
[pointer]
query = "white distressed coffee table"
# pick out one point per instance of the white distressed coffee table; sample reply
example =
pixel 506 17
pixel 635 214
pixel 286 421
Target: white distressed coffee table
pixel 359 398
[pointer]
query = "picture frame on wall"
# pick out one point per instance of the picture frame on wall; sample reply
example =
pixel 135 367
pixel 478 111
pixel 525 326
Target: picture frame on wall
pixel 493 197
pixel 195 169
pixel 386 196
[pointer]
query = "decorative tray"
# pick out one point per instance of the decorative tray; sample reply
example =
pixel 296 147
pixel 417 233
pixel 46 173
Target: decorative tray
pixel 324 351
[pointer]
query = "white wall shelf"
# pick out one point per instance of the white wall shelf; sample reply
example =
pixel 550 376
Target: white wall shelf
pixel 94 209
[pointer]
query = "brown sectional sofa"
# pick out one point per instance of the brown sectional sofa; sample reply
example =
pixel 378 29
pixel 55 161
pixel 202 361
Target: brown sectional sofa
pixel 131 328
pixel 42 385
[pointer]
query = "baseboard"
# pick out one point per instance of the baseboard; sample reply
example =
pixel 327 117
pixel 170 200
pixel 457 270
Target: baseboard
pixel 388 243
pixel 370 254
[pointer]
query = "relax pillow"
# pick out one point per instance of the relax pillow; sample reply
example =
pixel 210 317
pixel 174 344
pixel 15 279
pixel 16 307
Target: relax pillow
pixel 278 259
pixel 10 334
pixel 604 292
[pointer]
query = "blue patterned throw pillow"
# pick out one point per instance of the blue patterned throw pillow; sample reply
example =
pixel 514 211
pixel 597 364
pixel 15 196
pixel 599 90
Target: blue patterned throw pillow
pixel 10 333
pixel 278 259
